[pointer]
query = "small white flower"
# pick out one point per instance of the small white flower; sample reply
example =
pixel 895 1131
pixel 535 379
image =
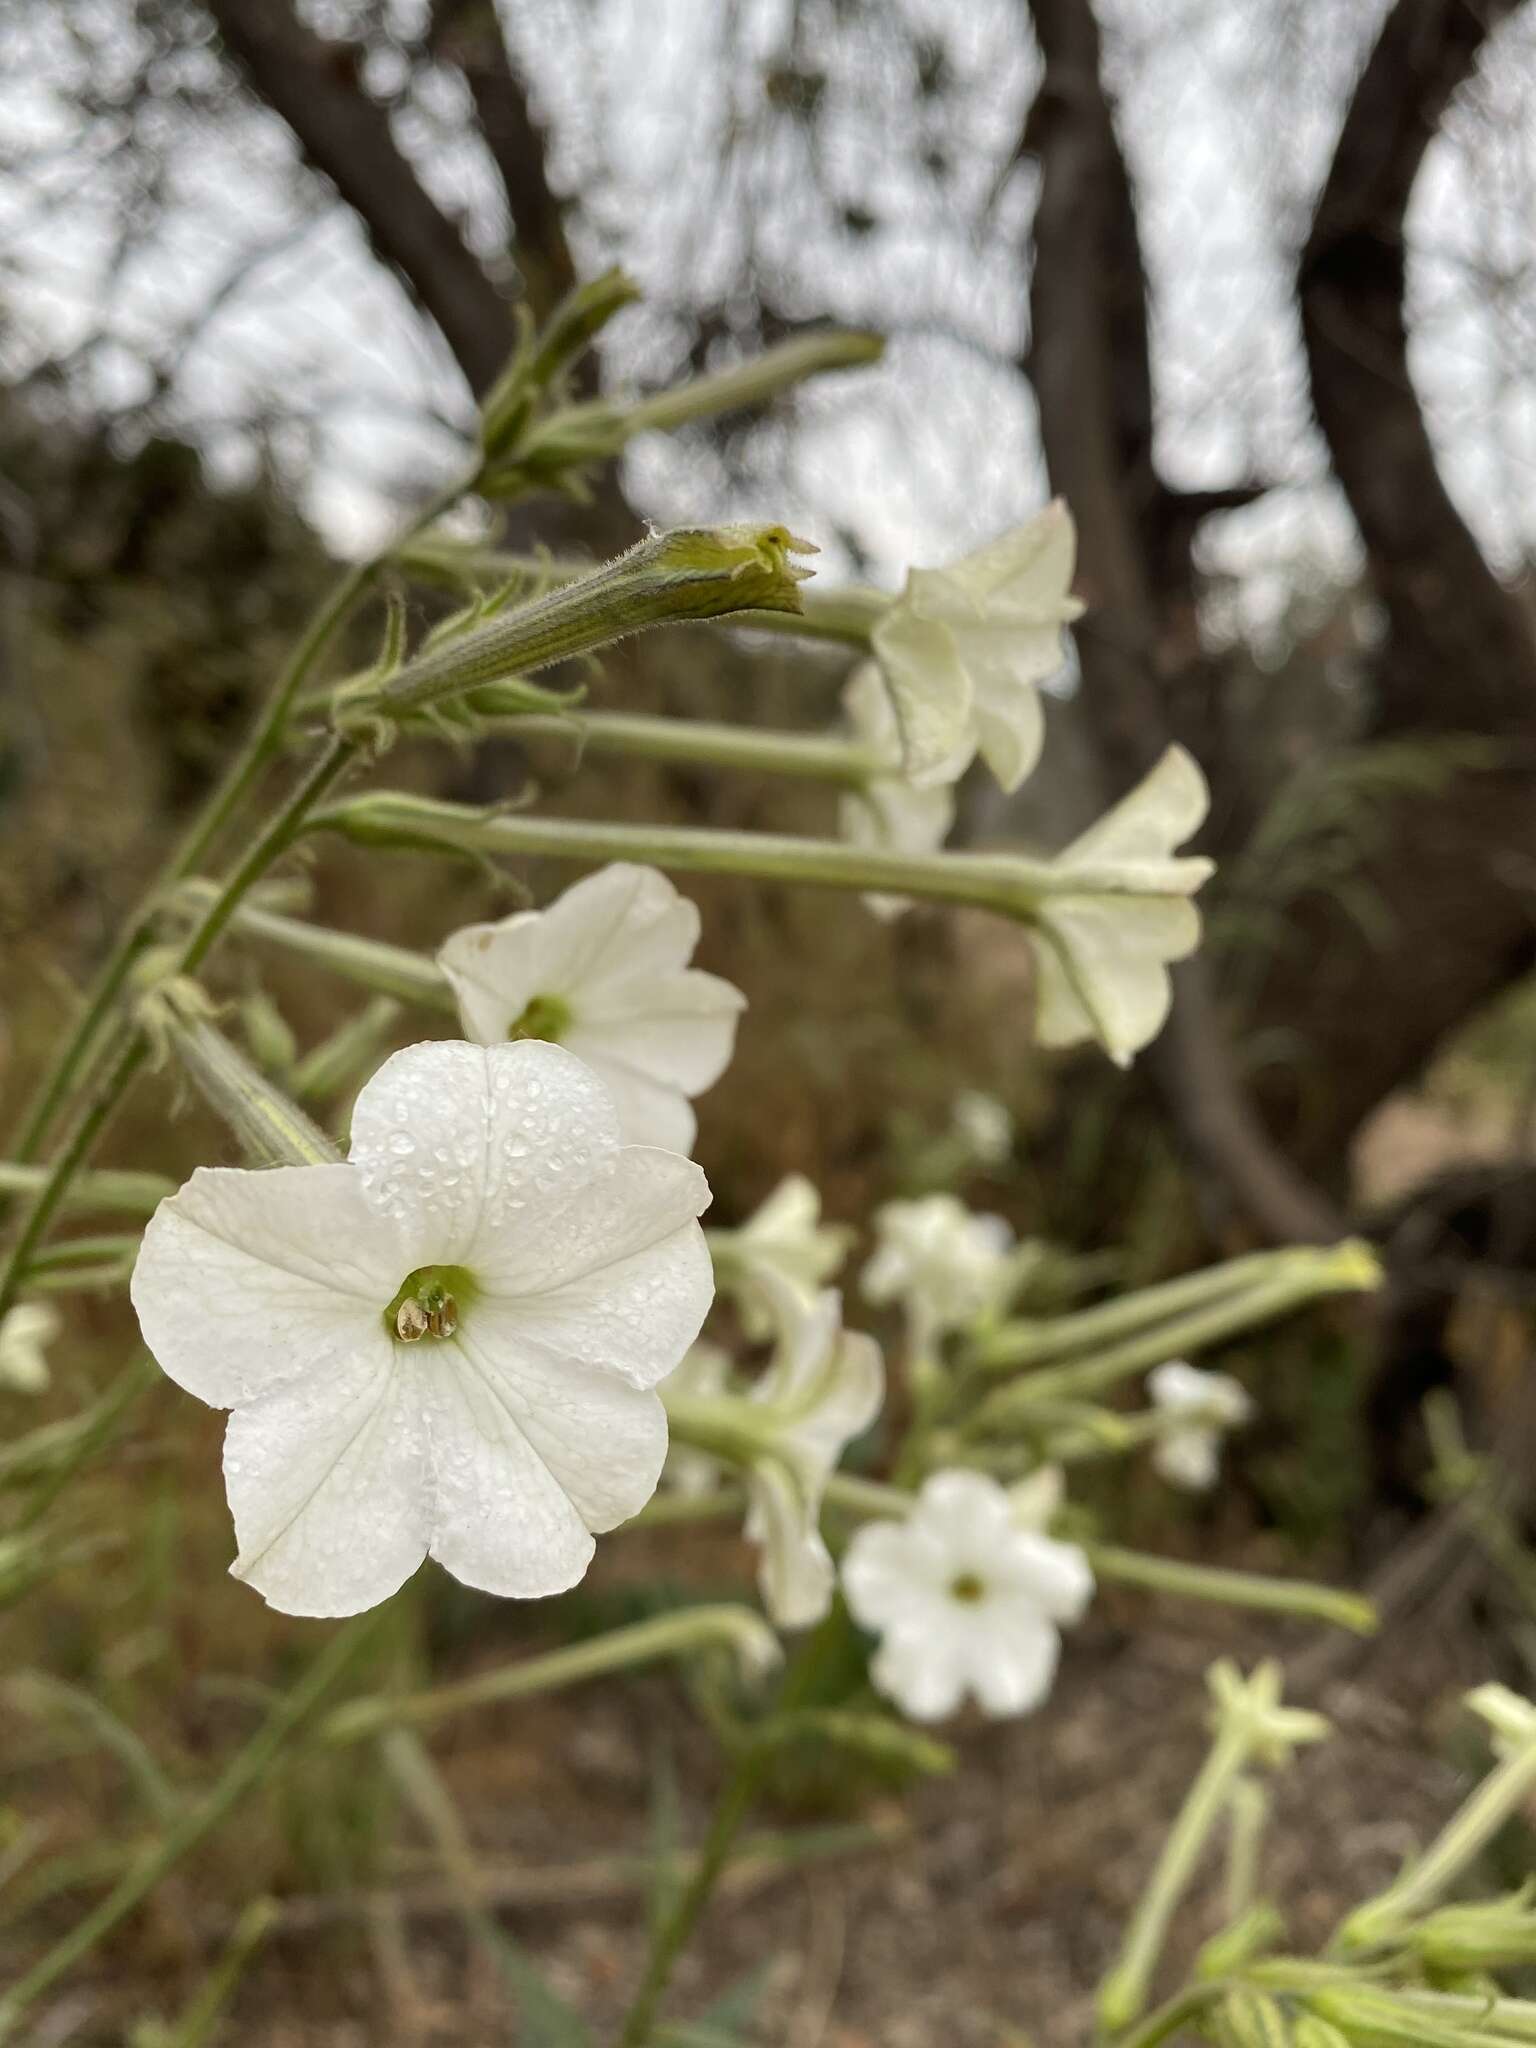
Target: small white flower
pixel 603 971
pixel 823 1388
pixel 965 1599
pixel 783 1239
pixel 946 1266
pixel 1102 961
pixel 1190 1454
pixel 25 1334
pixel 963 648
pixel 444 1347
pixel 984 1125
pixel 890 812
pixel 703 1375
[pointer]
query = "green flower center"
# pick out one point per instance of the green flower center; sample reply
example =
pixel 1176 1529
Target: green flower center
pixel 429 1303
pixel 967 1588
pixel 547 1017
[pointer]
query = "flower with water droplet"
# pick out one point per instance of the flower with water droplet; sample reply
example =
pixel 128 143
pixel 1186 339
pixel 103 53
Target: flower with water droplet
pixel 963 648
pixel 968 1595
pixel 25 1334
pixel 946 1266
pixel 1207 1403
pixel 784 1239
pixel 1104 947
pixel 888 810
pixel 603 970
pixel 446 1346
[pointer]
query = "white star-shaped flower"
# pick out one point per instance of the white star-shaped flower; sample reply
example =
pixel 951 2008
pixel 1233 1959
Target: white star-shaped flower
pixel 445 1346
pixel 784 1239
pixel 945 1265
pixel 966 1598
pixel 25 1334
pixel 1190 1455
pixel 1102 961
pixel 963 648
pixel 603 971
pixel 823 1387
pixel 889 812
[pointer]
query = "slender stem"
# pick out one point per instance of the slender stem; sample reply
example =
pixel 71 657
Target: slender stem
pixel 667 1635
pixel 1300 1597
pixel 1030 1340
pixel 1169 2019
pixel 85 1251
pixel 371 963
pixel 240 1776
pixel 1464 1837
pixel 1006 883
pixel 731 1812
pixel 84 1436
pixel 1123 1994
pixel 814 757
pixel 133 1194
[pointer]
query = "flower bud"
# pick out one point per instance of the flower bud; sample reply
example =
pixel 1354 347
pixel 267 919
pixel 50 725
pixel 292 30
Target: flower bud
pixel 1247 2018
pixel 1496 1934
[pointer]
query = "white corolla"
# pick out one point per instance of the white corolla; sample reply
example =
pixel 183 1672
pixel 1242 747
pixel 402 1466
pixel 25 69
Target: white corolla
pixel 445 1346
pixel 603 971
pixel 968 1595
pixel 1202 1406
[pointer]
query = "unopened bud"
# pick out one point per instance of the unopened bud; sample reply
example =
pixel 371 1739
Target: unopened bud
pixel 1247 2018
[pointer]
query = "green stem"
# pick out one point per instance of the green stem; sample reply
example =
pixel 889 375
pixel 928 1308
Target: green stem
pixel 1029 1341
pixel 667 1635
pixel 85 1251
pixel 1463 1838
pixel 730 1815
pixel 811 756
pixel 1306 1276
pixel 1169 2019
pixel 1007 883
pixel 1299 1597
pixel 240 1776
pixel 133 1194
pixel 1123 1994
pixel 371 963
pixel 76 1442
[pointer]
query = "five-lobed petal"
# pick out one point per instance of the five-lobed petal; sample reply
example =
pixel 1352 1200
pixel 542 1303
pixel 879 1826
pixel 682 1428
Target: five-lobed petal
pixel 501 1449
pixel 604 971
pixel 1205 1404
pixel 965 1598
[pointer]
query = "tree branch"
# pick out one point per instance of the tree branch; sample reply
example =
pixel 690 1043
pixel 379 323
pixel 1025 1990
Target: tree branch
pixel 311 83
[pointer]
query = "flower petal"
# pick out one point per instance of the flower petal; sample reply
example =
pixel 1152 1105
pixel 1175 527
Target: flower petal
pixel 1013 1661
pixel 650 1113
pixel 679 1028
pixel 247 1279
pixel 1054 1578
pixel 495 971
pixel 893 1574
pixel 1101 969
pixel 622 923
pixel 920 1669
pixel 795 1573
pixel 328 1485
pixel 468 1147
pixel 930 693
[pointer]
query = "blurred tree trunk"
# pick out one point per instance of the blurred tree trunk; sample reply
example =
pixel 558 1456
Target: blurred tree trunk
pixel 1453 874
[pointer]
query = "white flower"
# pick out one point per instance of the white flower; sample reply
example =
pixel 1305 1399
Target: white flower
pixel 703 1375
pixel 1102 960
pixel 444 1347
pixel 783 1240
pixel 603 970
pixel 984 1125
pixel 965 1599
pixel 823 1388
pixel 1190 1454
pixel 25 1334
pixel 962 649
pixel 890 812
pixel 946 1266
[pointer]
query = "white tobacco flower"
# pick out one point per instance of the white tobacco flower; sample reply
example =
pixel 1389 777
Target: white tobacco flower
pixel 984 1125
pixel 25 1334
pixel 889 812
pixel 1103 953
pixel 784 1239
pixel 446 1346
pixel 603 971
pixel 823 1388
pixel 966 1598
pixel 703 1375
pixel 946 1266
pixel 963 648
pixel 1189 1455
